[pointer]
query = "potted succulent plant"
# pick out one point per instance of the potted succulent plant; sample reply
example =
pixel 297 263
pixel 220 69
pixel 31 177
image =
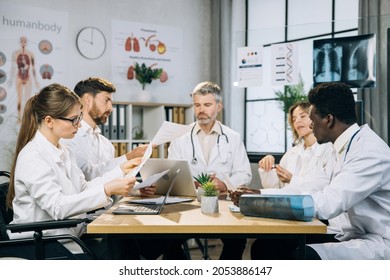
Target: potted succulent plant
pixel 209 202
pixel 201 179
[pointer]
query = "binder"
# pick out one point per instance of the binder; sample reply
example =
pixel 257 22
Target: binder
pixel 122 148
pixel 101 126
pixel 113 123
pixel 169 114
pixel 116 147
pixel 106 130
pixel 155 152
pixel 121 121
pixel 182 118
pixel 176 114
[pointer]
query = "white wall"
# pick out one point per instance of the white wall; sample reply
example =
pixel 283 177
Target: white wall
pixel 192 16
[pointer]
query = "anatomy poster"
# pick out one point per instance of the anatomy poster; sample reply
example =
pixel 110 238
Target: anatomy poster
pixel 158 47
pixel 285 64
pixel 250 66
pixel 32 55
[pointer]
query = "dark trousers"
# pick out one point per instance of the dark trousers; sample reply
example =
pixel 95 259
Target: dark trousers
pixel 233 248
pixel 137 249
pixel 286 249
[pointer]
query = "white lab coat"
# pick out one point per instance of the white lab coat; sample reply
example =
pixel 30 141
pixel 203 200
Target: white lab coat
pixel 305 164
pixel 49 185
pixel 94 153
pixel 360 187
pixel 229 159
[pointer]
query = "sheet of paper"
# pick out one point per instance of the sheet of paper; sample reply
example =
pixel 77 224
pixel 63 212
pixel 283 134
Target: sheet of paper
pixel 146 156
pixel 169 131
pixel 228 183
pixel 151 180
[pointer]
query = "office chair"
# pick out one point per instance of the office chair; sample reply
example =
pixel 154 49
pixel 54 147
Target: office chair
pixel 38 246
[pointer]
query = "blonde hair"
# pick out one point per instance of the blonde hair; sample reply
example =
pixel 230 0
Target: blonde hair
pixel 55 100
pixel 304 105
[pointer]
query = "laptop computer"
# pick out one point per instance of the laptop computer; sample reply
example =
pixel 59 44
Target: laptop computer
pixel 146 209
pixel 184 185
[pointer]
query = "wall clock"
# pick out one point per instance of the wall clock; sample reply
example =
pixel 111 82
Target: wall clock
pixel 91 42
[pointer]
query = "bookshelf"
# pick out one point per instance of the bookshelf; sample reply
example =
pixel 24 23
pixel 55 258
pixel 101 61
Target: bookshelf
pixel 132 124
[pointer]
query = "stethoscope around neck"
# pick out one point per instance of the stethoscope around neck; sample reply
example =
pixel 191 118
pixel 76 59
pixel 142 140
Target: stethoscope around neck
pixel 222 156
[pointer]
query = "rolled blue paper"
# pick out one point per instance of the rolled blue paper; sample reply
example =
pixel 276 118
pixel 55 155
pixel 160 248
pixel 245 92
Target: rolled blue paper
pixel 287 207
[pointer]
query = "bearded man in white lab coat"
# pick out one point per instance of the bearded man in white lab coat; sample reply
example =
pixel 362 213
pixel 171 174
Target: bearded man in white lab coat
pixel 359 189
pixel 211 147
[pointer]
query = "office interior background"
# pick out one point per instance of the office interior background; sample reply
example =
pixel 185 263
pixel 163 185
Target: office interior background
pixel 208 33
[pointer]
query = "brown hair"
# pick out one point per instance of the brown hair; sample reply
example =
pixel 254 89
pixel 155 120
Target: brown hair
pixel 54 100
pixel 305 105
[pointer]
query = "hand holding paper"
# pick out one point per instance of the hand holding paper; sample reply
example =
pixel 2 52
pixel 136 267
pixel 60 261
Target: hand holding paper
pixel 151 180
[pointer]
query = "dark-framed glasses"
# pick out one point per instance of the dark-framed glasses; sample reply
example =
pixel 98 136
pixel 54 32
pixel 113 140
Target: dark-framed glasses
pixel 75 121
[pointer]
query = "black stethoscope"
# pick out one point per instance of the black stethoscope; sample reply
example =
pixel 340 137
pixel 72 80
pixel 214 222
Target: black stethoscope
pixel 349 144
pixel 223 160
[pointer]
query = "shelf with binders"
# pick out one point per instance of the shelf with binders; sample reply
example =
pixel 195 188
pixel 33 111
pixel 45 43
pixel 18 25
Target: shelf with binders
pixel 133 124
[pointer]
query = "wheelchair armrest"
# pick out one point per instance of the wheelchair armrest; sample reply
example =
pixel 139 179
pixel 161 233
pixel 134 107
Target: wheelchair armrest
pixel 44 225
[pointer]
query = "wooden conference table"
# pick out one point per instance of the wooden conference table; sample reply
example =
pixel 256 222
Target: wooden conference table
pixel 186 220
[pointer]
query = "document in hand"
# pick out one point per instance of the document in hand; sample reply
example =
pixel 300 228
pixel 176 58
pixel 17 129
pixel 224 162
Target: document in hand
pixel 288 207
pixel 150 180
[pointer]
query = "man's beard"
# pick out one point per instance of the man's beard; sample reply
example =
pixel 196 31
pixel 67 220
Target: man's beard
pixel 98 117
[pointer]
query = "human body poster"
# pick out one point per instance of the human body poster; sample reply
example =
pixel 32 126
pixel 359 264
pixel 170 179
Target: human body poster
pixel 32 55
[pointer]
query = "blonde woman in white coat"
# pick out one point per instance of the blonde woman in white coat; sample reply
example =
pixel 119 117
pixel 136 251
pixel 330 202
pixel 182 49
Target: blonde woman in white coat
pixel 45 182
pixel 306 160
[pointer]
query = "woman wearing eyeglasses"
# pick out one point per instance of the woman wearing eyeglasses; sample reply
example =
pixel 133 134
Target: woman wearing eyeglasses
pixel 45 182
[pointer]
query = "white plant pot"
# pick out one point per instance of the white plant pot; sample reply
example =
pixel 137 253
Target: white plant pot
pixel 199 194
pixel 209 204
pixel 144 96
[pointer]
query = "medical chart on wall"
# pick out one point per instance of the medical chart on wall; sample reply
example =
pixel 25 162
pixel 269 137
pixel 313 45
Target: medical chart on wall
pixel 284 64
pixel 250 66
pixel 155 46
pixel 33 54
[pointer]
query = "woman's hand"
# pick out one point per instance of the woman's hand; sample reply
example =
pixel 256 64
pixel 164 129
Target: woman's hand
pixel 283 174
pixel 235 196
pixel 120 186
pixel 129 165
pixel 267 163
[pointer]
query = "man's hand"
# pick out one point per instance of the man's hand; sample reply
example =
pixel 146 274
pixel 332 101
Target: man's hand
pixel 219 184
pixel 148 191
pixel 129 165
pixel 235 195
pixel 136 152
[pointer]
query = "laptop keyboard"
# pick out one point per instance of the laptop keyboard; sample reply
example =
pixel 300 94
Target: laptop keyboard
pixel 145 208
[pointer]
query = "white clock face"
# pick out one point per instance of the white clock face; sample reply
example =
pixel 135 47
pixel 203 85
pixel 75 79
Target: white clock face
pixel 91 42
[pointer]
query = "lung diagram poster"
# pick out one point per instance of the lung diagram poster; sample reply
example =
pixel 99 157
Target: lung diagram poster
pixel 158 47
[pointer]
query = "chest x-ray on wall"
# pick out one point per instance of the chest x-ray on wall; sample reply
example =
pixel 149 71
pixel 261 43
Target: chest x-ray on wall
pixel 349 59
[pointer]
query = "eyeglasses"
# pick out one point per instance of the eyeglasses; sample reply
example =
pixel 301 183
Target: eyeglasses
pixel 75 121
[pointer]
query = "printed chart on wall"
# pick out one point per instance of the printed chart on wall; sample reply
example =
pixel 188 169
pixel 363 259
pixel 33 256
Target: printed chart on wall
pixel 250 66
pixel 158 47
pixel 285 64
pixel 32 55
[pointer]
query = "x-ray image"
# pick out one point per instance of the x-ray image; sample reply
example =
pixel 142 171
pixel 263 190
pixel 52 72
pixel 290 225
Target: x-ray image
pixel 349 59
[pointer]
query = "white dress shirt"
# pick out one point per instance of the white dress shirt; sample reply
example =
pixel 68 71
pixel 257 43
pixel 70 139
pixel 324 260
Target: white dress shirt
pixel 94 153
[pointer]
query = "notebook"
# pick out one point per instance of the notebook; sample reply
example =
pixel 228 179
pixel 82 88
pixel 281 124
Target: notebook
pixel 184 185
pixel 146 209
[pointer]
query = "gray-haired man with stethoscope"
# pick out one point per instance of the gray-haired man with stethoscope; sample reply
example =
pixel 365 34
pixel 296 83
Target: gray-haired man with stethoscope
pixel 211 147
